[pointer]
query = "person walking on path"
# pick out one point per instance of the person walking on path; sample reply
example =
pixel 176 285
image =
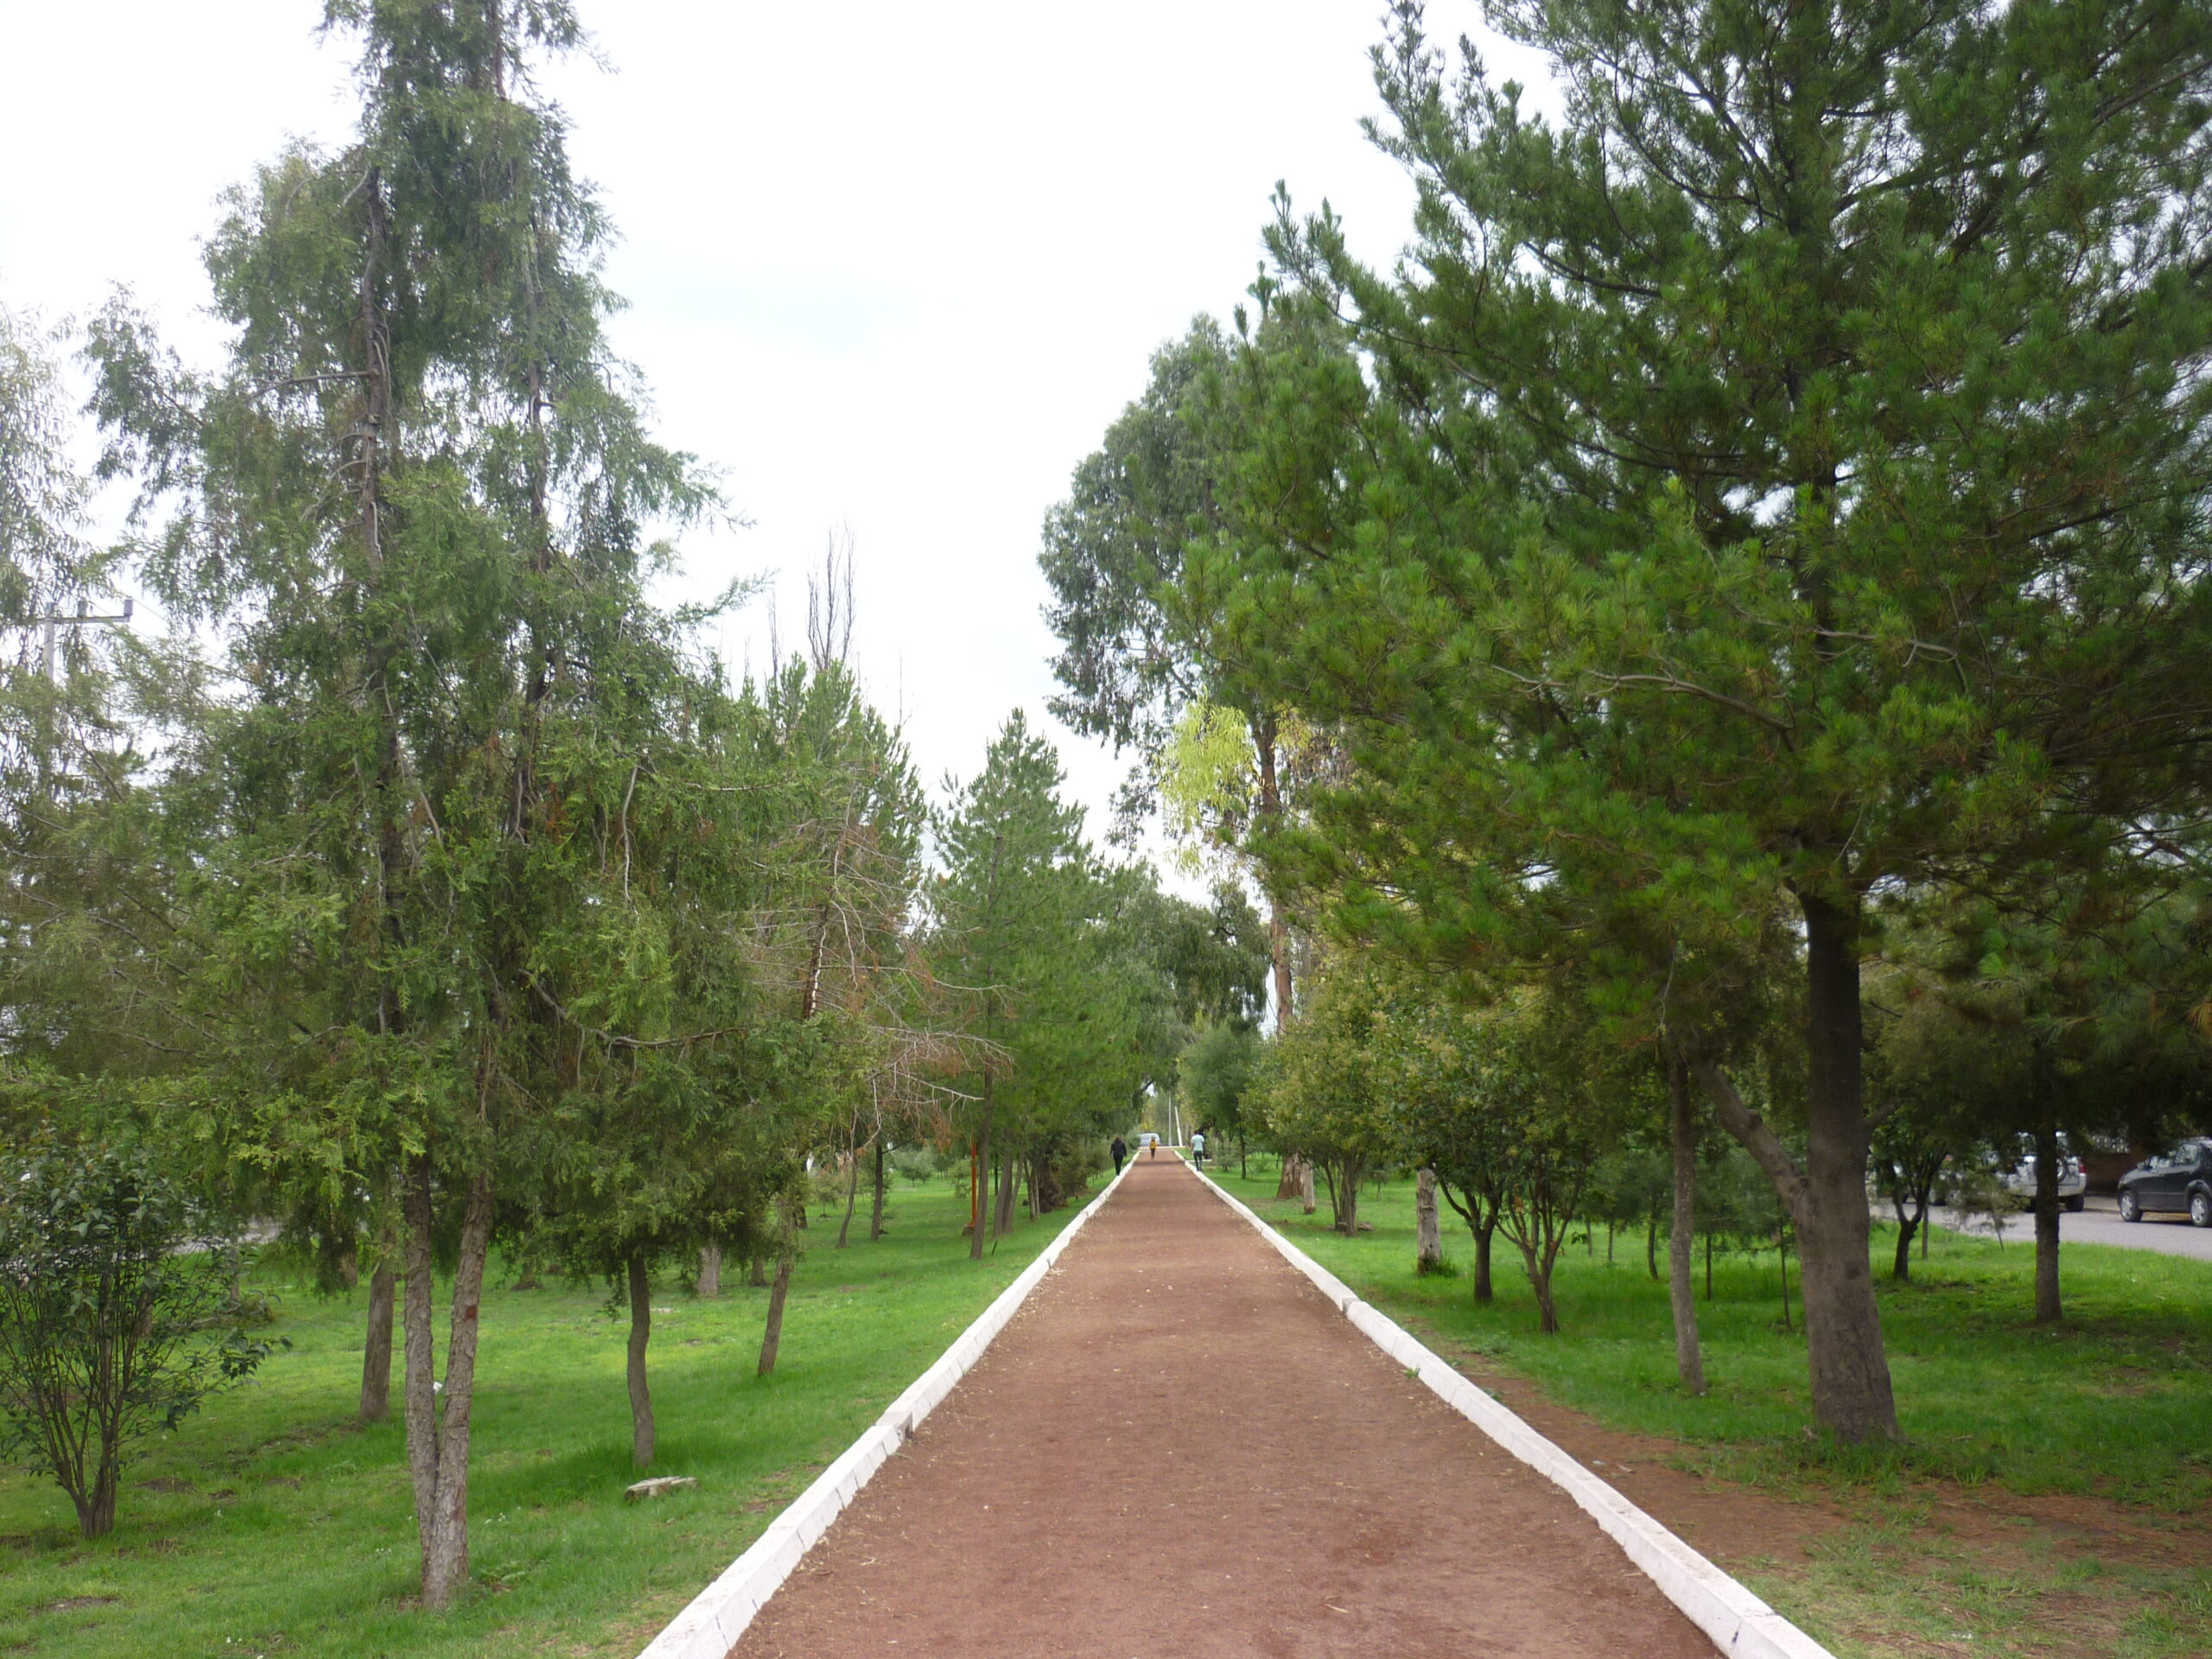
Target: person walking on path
pixel 1198 1145
pixel 1121 1150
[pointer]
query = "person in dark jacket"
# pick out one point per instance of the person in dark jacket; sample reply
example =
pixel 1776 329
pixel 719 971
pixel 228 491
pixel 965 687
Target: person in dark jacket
pixel 1121 1150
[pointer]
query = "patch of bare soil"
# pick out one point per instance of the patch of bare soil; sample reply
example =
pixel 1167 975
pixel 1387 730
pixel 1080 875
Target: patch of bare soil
pixel 1178 1449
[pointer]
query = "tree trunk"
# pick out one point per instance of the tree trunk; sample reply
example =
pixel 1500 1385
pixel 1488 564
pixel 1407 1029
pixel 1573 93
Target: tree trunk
pixel 1289 1179
pixel 1901 1265
pixel 774 1335
pixel 852 1198
pixel 641 1333
pixel 1689 1360
pixel 1484 1290
pixel 1539 1265
pixel 96 1510
pixel 979 1163
pixel 419 1344
pixel 1344 1196
pixel 756 1273
pixel 875 1215
pixel 2048 1309
pixel 1428 1238
pixel 1004 1224
pixel 1781 1255
pixel 1851 1397
pixel 711 1270
pixel 1305 1185
pixel 376 1352
pixel 437 1429
pixel 1264 742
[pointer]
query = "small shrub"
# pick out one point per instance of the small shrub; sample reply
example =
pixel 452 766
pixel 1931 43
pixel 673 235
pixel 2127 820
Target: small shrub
pixel 115 1320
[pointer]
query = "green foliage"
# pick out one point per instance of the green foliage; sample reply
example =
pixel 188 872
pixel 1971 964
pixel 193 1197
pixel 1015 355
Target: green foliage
pixel 1330 1083
pixel 273 1514
pixel 1778 482
pixel 1216 1074
pixel 1026 928
pixel 116 1318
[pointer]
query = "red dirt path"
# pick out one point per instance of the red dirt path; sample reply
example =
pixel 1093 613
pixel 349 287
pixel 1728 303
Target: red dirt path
pixel 1178 1449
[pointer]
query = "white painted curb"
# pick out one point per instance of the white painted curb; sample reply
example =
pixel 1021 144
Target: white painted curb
pixel 710 1627
pixel 1740 1624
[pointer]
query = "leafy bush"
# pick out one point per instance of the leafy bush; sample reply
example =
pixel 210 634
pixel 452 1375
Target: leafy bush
pixel 914 1164
pixel 114 1319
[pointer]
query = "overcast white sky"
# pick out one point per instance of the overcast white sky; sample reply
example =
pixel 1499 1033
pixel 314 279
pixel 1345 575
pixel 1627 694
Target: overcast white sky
pixel 891 267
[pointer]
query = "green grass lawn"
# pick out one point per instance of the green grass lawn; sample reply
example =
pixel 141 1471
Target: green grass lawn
pixel 270 1524
pixel 2116 1403
pixel 2117 1400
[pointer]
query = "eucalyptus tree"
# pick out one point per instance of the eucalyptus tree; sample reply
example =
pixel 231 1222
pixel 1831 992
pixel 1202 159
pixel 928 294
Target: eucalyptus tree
pixel 414 498
pixel 1136 666
pixel 1779 480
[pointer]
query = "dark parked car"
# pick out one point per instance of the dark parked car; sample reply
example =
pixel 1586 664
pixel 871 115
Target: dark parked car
pixel 2180 1180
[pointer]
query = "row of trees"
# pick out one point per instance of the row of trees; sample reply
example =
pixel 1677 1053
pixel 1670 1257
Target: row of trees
pixel 431 892
pixel 1732 595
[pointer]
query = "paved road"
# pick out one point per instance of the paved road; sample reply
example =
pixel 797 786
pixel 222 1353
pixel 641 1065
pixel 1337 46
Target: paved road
pixel 2100 1224
pixel 1178 1450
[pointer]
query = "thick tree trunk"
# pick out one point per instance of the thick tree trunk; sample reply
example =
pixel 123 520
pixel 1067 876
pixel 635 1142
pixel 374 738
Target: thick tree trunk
pixel 376 1352
pixel 437 1428
pixel 2048 1309
pixel 875 1215
pixel 756 1273
pixel 1428 1237
pixel 641 1334
pixel 1485 1290
pixel 772 1336
pixel 1288 1181
pixel 1689 1360
pixel 711 1270
pixel 1851 1397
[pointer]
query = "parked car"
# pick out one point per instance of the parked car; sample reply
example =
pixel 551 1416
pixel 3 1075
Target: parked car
pixel 2180 1180
pixel 2020 1179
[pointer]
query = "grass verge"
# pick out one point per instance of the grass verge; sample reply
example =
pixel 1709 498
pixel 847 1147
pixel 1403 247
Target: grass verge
pixel 2107 1418
pixel 271 1524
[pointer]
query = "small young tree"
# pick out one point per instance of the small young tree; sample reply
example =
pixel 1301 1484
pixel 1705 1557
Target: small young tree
pixel 1332 1084
pixel 114 1320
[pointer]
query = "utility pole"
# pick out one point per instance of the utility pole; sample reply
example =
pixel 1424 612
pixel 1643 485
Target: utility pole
pixel 50 625
pixel 55 621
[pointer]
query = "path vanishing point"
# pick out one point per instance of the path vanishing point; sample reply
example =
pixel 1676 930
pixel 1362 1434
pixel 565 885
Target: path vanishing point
pixel 1178 1449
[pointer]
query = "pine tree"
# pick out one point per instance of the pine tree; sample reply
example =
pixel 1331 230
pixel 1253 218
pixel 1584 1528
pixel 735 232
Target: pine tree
pixel 1782 480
